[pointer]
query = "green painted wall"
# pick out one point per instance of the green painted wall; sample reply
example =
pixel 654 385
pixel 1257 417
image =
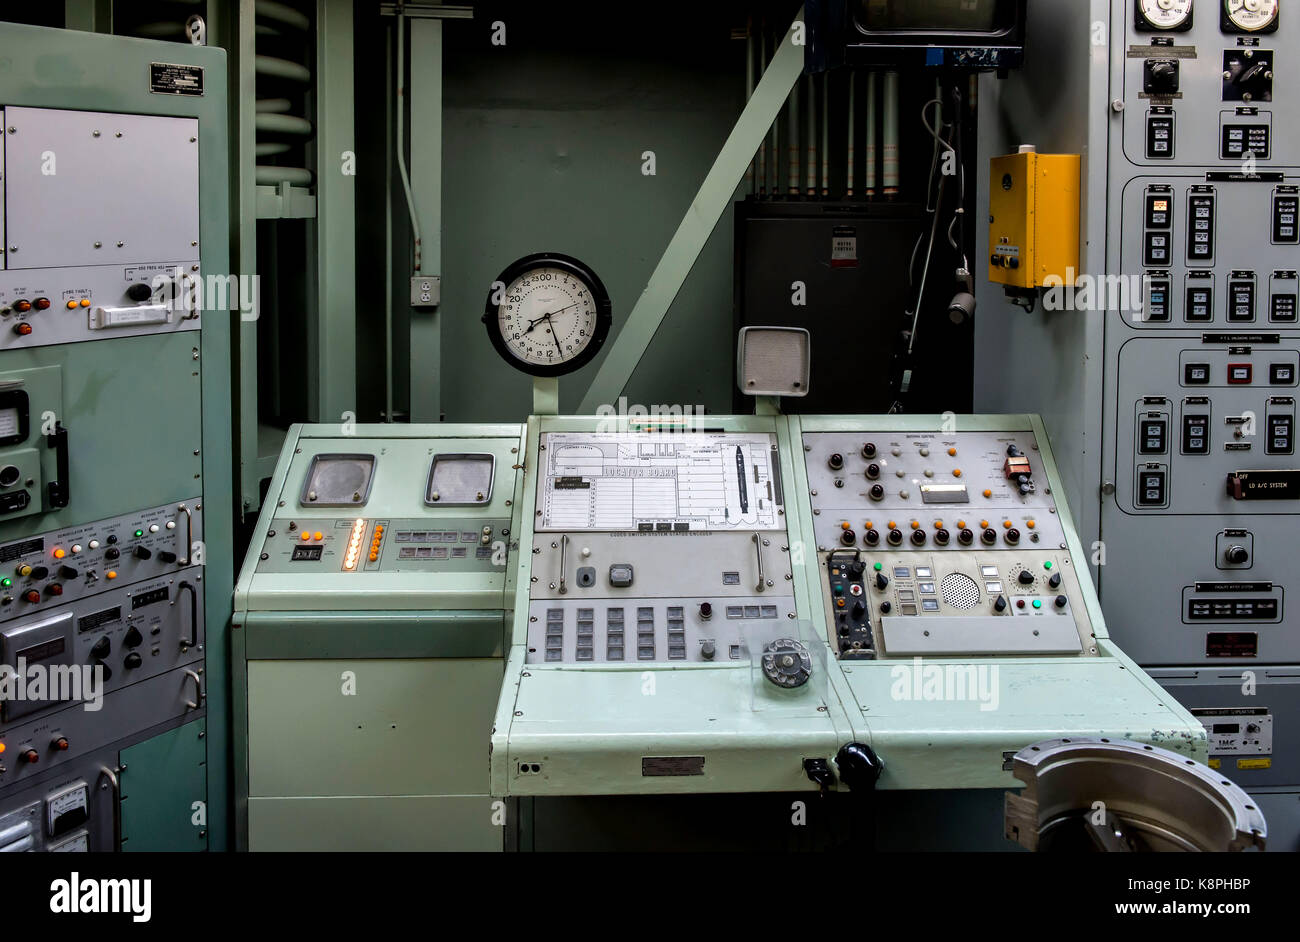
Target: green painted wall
pixel 542 147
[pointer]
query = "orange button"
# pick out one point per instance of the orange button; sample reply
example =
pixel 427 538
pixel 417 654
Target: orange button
pixel 956 472
pixel 305 536
pixel 938 524
pixel 72 305
pixel 893 525
pixel 1006 524
pixel 916 524
pixel 1030 524
pixel 952 451
pixel 839 603
pixel 318 535
pixel 59 553
pixel 374 557
pixel 2 748
pixel 961 524
pixel 85 302
pixel 112 574
pixel 984 524
pixel 844 524
pixel 988 493
pixel 869 525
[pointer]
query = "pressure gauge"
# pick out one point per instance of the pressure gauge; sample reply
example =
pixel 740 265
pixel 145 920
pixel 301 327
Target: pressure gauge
pixel 1249 16
pixel 548 314
pixel 1164 15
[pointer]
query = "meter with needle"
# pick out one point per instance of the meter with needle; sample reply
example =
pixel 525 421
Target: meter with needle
pixel 548 314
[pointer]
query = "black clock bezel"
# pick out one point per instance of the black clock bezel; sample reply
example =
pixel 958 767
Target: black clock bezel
pixel 584 273
pixel 1143 25
pixel 1227 26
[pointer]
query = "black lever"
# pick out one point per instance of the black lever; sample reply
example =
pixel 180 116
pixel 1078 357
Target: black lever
pixel 859 766
pixel 819 772
pixel 57 490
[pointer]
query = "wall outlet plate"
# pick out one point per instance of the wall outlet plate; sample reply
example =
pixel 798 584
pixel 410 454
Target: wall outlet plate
pixel 426 291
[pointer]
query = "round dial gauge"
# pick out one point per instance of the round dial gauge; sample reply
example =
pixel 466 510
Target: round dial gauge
pixel 1165 14
pixel 1251 15
pixel 548 314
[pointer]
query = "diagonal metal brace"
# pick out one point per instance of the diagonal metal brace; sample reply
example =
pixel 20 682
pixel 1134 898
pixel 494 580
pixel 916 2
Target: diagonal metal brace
pixel 701 219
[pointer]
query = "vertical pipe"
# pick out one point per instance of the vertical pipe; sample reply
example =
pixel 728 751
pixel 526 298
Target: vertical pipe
pixel 775 188
pixel 826 122
pixel 848 186
pixel 812 135
pixel 792 148
pixel 869 176
pixel 401 142
pixel 388 223
pixel 889 152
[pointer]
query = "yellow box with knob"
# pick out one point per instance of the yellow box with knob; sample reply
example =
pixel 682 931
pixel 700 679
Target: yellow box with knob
pixel 1033 218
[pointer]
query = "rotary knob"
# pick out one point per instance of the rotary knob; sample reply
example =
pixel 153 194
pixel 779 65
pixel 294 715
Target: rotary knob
pixel 708 650
pixel 1237 555
pixel 786 663
pixel 1026 577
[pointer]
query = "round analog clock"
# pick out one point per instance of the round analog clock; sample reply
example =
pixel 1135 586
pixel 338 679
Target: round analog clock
pixel 548 314
pixel 1164 14
pixel 1250 16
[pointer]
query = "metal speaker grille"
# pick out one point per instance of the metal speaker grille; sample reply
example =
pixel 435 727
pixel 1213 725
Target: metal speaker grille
pixel 960 591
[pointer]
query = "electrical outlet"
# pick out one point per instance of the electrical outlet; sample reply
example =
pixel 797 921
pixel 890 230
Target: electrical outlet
pixel 426 291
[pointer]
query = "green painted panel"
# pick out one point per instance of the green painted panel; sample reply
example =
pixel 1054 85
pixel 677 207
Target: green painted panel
pixel 408 727
pixel 160 782
pixel 406 823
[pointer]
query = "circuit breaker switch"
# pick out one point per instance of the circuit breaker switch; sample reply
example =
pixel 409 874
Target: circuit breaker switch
pixel 1015 466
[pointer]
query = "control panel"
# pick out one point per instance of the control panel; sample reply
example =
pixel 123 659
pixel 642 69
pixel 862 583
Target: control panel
pixel 1199 477
pixel 657 547
pixel 942 542
pixel 81 261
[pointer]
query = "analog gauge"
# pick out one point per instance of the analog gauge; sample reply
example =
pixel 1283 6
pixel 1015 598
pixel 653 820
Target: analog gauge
pixel 1164 14
pixel 1250 16
pixel 548 314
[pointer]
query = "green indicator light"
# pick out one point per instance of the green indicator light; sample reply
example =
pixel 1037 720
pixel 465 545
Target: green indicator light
pixel 139 533
pixel 1047 565
pixel 6 582
pixel 1038 603
pixel 878 567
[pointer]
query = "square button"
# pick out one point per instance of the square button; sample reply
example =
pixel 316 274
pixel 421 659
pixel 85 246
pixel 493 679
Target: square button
pixel 1281 374
pixel 1239 374
pixel 1196 374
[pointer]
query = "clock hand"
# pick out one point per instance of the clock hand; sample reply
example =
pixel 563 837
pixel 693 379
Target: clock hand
pixel 534 323
pixel 555 338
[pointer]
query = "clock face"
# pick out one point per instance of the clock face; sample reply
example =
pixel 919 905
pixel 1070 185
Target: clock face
pixel 1251 16
pixel 1165 14
pixel 548 315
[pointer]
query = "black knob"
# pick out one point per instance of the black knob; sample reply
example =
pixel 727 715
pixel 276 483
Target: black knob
pixel 706 609
pixel 1237 555
pixel 869 450
pixel 1013 536
pixel 142 552
pixel 965 537
pixel 1060 601
pixel 1000 605
pixel 68 572
pixel 1054 580
pixel 1026 577
pixel 918 537
pixel 166 556
pixel 848 537
pixel 835 462
pixel 882 581
pixel 1013 451
pixel 133 638
pixel 885 608
pixel 941 536
pixel 859 609
pixel 872 537
pixel 112 552
pixel 873 472
pixel 857 567
pixel 101 648
pixel 877 492
pixel 859 766
pixel 132 660
pixel 139 292
pixel 895 537
pixel 106 671
pixel 112 538
pixel 1162 77
pixel 989 536
pixel 40 572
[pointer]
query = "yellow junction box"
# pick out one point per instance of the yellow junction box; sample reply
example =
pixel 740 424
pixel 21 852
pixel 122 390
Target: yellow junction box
pixel 1033 219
